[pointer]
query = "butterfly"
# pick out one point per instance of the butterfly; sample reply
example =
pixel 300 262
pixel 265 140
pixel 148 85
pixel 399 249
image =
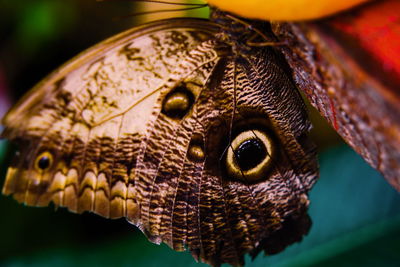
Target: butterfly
pixel 196 136
pixel 202 141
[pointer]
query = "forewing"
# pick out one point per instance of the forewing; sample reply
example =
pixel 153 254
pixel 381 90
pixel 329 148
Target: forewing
pixel 87 120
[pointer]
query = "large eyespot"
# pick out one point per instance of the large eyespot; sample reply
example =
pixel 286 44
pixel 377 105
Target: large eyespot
pixel 178 102
pixel 44 161
pixel 249 156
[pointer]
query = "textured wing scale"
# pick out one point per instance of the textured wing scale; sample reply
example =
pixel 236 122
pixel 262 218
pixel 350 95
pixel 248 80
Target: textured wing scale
pixel 86 115
pixel 116 153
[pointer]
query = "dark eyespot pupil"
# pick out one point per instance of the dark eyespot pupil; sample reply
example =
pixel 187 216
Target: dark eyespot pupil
pixel 44 162
pixel 250 153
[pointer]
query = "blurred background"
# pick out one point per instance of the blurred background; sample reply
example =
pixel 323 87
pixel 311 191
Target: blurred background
pixel 355 213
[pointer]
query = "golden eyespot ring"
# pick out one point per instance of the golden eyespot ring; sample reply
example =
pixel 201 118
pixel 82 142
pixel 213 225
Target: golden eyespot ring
pixel 44 161
pixel 249 156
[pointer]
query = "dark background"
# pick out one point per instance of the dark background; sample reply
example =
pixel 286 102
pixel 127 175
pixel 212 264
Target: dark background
pixel 356 214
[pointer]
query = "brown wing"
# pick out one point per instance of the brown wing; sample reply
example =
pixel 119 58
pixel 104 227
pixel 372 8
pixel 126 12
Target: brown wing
pixel 199 146
pixel 348 66
pixel 88 118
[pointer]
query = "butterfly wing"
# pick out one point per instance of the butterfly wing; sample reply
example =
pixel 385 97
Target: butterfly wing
pixel 348 66
pixel 200 147
pixel 92 111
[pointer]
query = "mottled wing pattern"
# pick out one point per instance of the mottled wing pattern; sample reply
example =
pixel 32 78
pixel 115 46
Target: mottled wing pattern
pixel 143 127
pixel 92 115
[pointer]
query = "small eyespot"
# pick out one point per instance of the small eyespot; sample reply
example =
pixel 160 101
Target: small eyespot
pixel 249 156
pixel 196 149
pixel 44 161
pixel 178 102
pixel 196 153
